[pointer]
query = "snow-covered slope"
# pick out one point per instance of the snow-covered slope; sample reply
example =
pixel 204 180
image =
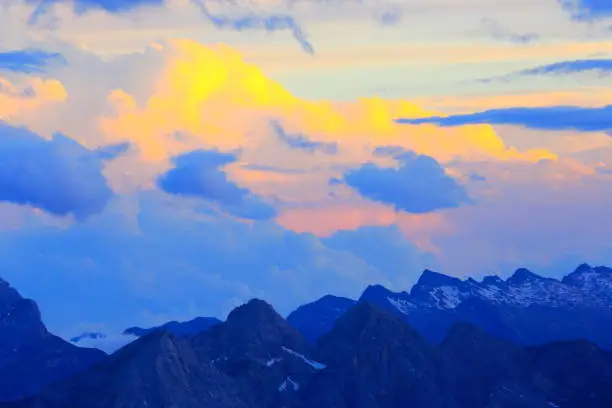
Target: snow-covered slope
pixel 526 308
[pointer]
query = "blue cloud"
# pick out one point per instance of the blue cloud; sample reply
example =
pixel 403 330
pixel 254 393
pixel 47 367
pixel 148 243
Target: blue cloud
pixel 418 185
pixel 602 66
pixel 276 22
pixel 501 33
pixel 389 151
pixel 587 10
pixel 301 142
pixel 163 268
pixel 477 177
pixel 59 175
pixel 81 6
pixel 199 174
pixel 547 118
pixel 28 61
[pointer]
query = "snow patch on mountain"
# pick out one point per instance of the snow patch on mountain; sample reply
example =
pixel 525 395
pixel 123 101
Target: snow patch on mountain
pixel 314 364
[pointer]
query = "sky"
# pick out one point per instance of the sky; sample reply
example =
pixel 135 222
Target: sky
pixel 166 159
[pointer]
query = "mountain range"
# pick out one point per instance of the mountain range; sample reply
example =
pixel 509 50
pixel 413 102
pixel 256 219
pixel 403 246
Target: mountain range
pixel 527 341
pixel 525 308
pixel 370 359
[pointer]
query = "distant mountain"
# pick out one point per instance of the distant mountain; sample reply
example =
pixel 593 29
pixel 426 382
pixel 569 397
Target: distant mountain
pixel 87 336
pixel 177 328
pixel 30 356
pixel 317 318
pixel 526 308
pixel 370 359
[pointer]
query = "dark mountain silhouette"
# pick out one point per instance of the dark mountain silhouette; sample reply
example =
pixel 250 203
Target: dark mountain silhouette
pixel 317 318
pixel 30 356
pixel 156 371
pixel 371 358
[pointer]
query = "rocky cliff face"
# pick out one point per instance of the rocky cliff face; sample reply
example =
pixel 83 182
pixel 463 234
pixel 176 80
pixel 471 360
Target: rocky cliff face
pixel 30 356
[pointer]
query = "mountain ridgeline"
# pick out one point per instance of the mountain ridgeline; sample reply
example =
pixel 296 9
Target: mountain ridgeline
pixel 526 308
pixel 449 343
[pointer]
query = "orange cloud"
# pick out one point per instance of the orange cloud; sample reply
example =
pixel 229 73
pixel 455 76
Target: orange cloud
pixel 33 93
pixel 214 98
pixel 209 97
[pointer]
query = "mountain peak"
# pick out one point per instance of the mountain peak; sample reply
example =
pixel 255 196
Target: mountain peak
pixel 255 310
pixel 364 319
pixel 582 268
pixel 523 275
pixel 373 292
pixel 430 278
pixel 492 280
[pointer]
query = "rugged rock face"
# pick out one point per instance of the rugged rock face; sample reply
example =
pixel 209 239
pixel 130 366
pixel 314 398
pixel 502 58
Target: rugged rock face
pixel 156 371
pixel 30 356
pixel 371 358
pixel 260 350
pixel 525 308
pixel 376 360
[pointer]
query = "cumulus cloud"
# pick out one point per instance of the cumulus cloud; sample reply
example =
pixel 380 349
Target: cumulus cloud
pixel 179 263
pixel 302 142
pixel 418 185
pixel 209 87
pixel 20 99
pixel 59 175
pixel 597 119
pixel 28 61
pixel 199 174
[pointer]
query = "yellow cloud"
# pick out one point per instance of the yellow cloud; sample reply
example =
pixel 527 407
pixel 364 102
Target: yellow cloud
pixel 33 93
pixel 209 96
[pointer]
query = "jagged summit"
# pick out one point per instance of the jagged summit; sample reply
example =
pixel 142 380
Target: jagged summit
pixel 493 280
pixel 433 279
pixel 375 291
pixel 317 318
pixel 522 276
pixel 255 311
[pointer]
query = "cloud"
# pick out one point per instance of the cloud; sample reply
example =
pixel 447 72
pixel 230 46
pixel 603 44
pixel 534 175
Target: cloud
pixel 180 264
pixel 545 118
pixel 499 32
pixel 198 174
pixel 210 86
pixel 275 22
pixel 34 93
pixel 587 9
pixel 59 175
pixel 418 185
pixel 301 142
pixel 81 6
pixel 602 66
pixel 28 61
